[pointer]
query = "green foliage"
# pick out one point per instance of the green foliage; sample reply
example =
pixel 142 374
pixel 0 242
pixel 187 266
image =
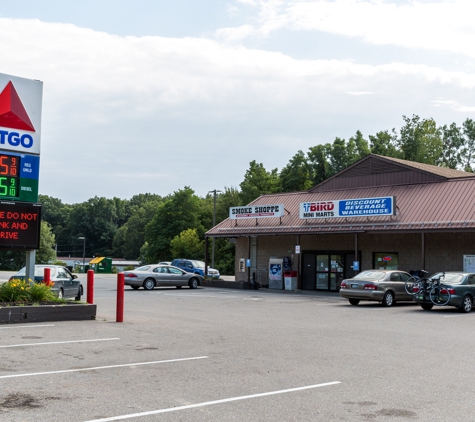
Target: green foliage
pixel 59 263
pixel 296 176
pixel 385 143
pixel 18 290
pixel 420 140
pixel 257 181
pixel 178 213
pixel 187 244
pixel 468 147
pixel 46 252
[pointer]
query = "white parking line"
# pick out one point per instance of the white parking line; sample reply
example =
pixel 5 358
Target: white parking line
pixel 456 316
pixel 209 403
pixel 100 367
pixel 200 295
pixel 27 326
pixel 59 342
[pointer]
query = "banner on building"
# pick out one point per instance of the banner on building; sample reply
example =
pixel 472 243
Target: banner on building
pixel 256 211
pixel 343 208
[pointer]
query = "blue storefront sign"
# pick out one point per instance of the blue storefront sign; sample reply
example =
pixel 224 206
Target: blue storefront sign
pixel 356 207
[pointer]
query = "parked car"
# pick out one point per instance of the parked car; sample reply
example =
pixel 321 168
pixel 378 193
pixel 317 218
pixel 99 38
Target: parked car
pixel 165 263
pixel 66 285
pixel 461 287
pixel 151 276
pixel 385 286
pixel 194 266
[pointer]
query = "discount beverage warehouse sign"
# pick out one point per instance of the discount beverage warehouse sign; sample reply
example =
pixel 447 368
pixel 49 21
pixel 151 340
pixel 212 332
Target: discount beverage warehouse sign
pixel 357 207
pixel 20 225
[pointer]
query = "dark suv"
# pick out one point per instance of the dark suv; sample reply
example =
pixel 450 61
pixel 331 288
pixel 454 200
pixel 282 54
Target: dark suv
pixel 194 266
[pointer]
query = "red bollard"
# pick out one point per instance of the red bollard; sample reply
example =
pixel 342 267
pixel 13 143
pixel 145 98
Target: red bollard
pixel 90 286
pixel 119 316
pixel 47 276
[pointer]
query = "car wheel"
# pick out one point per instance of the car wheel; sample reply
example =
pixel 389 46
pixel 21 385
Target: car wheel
pixel 149 284
pixel 60 293
pixel 354 301
pixel 178 287
pixel 193 283
pixel 78 297
pixel 388 299
pixel 135 287
pixel 426 306
pixel 467 304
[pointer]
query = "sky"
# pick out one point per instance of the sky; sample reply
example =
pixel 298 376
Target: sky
pixel 150 96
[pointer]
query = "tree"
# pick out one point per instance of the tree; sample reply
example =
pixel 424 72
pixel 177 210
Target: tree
pixel 187 244
pixel 295 176
pixel 421 141
pixel 130 237
pixel 358 148
pixel 468 145
pixel 257 181
pixel 338 156
pixel 384 143
pixel 318 163
pixel 46 253
pixel 178 213
pixel 453 139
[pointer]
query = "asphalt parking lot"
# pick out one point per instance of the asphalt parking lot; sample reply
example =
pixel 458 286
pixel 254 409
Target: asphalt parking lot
pixel 231 355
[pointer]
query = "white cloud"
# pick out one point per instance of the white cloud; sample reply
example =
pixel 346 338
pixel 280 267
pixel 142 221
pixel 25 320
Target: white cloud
pixel 433 25
pixel 125 115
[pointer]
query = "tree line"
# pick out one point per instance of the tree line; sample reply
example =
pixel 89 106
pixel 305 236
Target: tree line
pixel 151 228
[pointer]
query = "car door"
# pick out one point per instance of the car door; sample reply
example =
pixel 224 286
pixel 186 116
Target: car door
pixel 65 279
pixel 162 276
pixel 177 277
pixel 402 289
pixel 471 284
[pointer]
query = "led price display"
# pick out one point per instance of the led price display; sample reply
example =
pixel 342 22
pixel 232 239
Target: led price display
pixel 19 225
pixel 9 172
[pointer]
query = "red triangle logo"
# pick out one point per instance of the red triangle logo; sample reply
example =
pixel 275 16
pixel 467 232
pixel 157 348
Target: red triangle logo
pixel 12 113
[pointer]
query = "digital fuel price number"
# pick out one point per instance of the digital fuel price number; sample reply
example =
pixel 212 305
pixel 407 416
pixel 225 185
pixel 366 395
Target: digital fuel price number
pixel 9 176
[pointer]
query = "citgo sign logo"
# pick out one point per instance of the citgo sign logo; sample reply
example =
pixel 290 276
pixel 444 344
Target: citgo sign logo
pixel 14 116
pixel 20 114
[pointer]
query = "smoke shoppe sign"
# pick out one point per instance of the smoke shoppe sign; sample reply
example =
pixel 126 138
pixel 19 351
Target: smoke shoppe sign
pixel 256 211
pixel 20 225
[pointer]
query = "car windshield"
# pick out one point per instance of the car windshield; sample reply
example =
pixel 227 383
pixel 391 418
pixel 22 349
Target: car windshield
pixel 198 264
pixel 39 271
pixel 452 278
pixel 371 275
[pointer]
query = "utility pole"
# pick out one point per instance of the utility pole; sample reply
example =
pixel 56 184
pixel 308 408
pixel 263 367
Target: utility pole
pixel 214 192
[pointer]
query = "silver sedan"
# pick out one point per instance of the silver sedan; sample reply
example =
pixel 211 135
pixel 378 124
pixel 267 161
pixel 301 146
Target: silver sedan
pixel 151 276
pixel 385 286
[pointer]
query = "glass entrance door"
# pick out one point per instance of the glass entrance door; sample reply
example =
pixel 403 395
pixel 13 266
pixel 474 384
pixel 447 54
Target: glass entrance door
pixel 337 271
pixel 330 271
pixel 322 272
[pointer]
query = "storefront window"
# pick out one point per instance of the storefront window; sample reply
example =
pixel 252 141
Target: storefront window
pixel 386 260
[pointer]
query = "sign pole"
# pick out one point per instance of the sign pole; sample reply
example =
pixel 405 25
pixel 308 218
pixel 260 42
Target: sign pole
pixel 30 265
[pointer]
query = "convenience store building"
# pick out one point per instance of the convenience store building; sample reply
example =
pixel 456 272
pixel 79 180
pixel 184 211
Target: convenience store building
pixel 396 214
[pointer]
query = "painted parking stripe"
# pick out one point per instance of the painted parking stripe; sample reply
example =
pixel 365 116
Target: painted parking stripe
pixel 210 403
pixel 59 342
pixel 101 367
pixel 27 326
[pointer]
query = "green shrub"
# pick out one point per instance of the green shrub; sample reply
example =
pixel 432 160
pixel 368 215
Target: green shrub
pixel 18 290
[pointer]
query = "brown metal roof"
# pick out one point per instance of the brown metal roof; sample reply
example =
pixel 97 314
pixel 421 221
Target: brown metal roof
pixel 428 168
pixel 445 205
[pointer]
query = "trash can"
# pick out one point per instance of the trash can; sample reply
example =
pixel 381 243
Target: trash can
pixel 290 280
